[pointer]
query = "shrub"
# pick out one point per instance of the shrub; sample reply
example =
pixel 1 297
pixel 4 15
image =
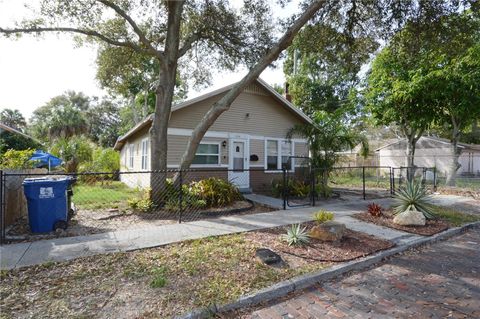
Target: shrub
pixel 375 210
pixel 17 159
pixel 141 204
pixel 210 192
pixel 323 190
pixel 294 188
pixel 296 236
pixel 216 192
pixel 413 196
pixel 323 216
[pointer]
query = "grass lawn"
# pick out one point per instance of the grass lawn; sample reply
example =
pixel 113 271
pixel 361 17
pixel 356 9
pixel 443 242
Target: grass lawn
pixel 357 181
pixel 112 194
pixel 454 217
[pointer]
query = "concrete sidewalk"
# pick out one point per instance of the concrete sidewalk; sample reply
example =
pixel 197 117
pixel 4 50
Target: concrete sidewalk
pixel 61 249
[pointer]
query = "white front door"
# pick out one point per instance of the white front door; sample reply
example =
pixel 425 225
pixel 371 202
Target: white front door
pixel 238 166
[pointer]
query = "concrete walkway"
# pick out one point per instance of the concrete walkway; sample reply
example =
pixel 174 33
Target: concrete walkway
pixel 61 249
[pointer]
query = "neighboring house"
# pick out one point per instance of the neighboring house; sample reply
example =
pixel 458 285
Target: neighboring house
pixel 432 152
pixel 250 135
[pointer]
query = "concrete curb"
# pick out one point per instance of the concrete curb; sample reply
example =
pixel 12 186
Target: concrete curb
pixel 283 288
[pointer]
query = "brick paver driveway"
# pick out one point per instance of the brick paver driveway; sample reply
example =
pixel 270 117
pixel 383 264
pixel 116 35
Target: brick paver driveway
pixel 439 281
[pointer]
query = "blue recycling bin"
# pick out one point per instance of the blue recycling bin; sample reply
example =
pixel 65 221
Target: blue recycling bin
pixel 47 201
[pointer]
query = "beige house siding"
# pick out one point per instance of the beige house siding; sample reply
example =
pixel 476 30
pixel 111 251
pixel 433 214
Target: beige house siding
pixel 255 116
pixel 266 116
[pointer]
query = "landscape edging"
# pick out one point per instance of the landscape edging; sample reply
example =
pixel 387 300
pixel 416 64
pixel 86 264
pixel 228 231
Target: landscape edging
pixel 299 283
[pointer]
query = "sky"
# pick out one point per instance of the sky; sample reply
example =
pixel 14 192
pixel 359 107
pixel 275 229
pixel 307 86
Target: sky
pixel 33 70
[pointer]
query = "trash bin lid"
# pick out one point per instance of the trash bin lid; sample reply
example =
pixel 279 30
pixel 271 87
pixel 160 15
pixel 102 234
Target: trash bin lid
pixel 46 180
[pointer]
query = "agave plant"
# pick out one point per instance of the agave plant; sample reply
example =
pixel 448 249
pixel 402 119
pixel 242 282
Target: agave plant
pixel 296 236
pixel 413 196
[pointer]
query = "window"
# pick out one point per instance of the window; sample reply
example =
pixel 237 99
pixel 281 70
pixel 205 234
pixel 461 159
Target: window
pixel 207 154
pixel 131 150
pixel 286 152
pixel 145 154
pixel 272 154
pixel 278 154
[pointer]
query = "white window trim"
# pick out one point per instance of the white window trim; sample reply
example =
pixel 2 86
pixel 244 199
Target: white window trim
pixel 210 154
pixel 131 155
pixel 144 154
pixel 279 154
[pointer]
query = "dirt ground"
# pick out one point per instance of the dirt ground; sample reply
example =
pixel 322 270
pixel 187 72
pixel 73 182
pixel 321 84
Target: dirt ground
pixel 167 281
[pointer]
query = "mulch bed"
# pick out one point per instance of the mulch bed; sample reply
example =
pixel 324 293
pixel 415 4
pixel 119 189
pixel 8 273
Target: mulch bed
pixel 431 227
pixel 352 246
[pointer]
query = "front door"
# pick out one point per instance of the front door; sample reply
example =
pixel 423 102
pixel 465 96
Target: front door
pixel 238 172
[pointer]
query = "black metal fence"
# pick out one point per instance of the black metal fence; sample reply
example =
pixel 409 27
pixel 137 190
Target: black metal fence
pixel 115 201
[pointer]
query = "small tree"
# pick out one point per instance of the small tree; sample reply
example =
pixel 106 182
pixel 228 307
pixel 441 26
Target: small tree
pixel 329 134
pixel 14 119
pixel 73 151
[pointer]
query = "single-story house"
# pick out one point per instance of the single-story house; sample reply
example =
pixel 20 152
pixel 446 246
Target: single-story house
pixel 246 145
pixel 432 152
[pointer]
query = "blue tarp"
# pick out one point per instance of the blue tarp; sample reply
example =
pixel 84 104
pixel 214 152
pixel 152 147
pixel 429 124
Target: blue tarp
pixel 45 159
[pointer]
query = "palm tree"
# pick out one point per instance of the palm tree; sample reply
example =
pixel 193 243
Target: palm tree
pixel 329 134
pixel 14 119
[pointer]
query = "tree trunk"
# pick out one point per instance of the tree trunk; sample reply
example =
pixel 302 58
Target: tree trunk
pixel 224 103
pixel 163 102
pixel 455 154
pixel 412 136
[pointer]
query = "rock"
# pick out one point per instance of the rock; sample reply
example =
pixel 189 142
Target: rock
pixel 328 231
pixel 410 218
pixel 268 257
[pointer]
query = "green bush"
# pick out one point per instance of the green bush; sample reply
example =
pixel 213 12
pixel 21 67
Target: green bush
pixel 294 188
pixel 323 190
pixel 12 159
pixel 210 192
pixel 141 204
pixel 216 192
pixel 322 216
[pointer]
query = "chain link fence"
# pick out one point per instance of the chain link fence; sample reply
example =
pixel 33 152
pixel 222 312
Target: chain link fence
pixel 112 201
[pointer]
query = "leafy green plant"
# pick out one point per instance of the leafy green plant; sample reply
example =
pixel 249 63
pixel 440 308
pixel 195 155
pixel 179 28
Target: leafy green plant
pixel 296 236
pixel 322 216
pixel 17 159
pixel 143 203
pixel 413 196
pixel 374 209
pixel 323 190
pixel 159 279
pixel 216 192
pixel 293 188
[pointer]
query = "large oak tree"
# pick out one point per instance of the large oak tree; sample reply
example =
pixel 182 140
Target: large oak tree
pixel 203 32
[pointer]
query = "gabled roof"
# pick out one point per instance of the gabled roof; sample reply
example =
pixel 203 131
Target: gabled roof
pixel 148 120
pixel 434 139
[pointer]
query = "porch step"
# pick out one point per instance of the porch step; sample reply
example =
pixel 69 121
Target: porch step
pixel 245 190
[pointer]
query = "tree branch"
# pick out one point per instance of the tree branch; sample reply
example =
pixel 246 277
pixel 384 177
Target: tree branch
pixel 136 29
pixel 187 45
pixel 224 103
pixel 92 33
